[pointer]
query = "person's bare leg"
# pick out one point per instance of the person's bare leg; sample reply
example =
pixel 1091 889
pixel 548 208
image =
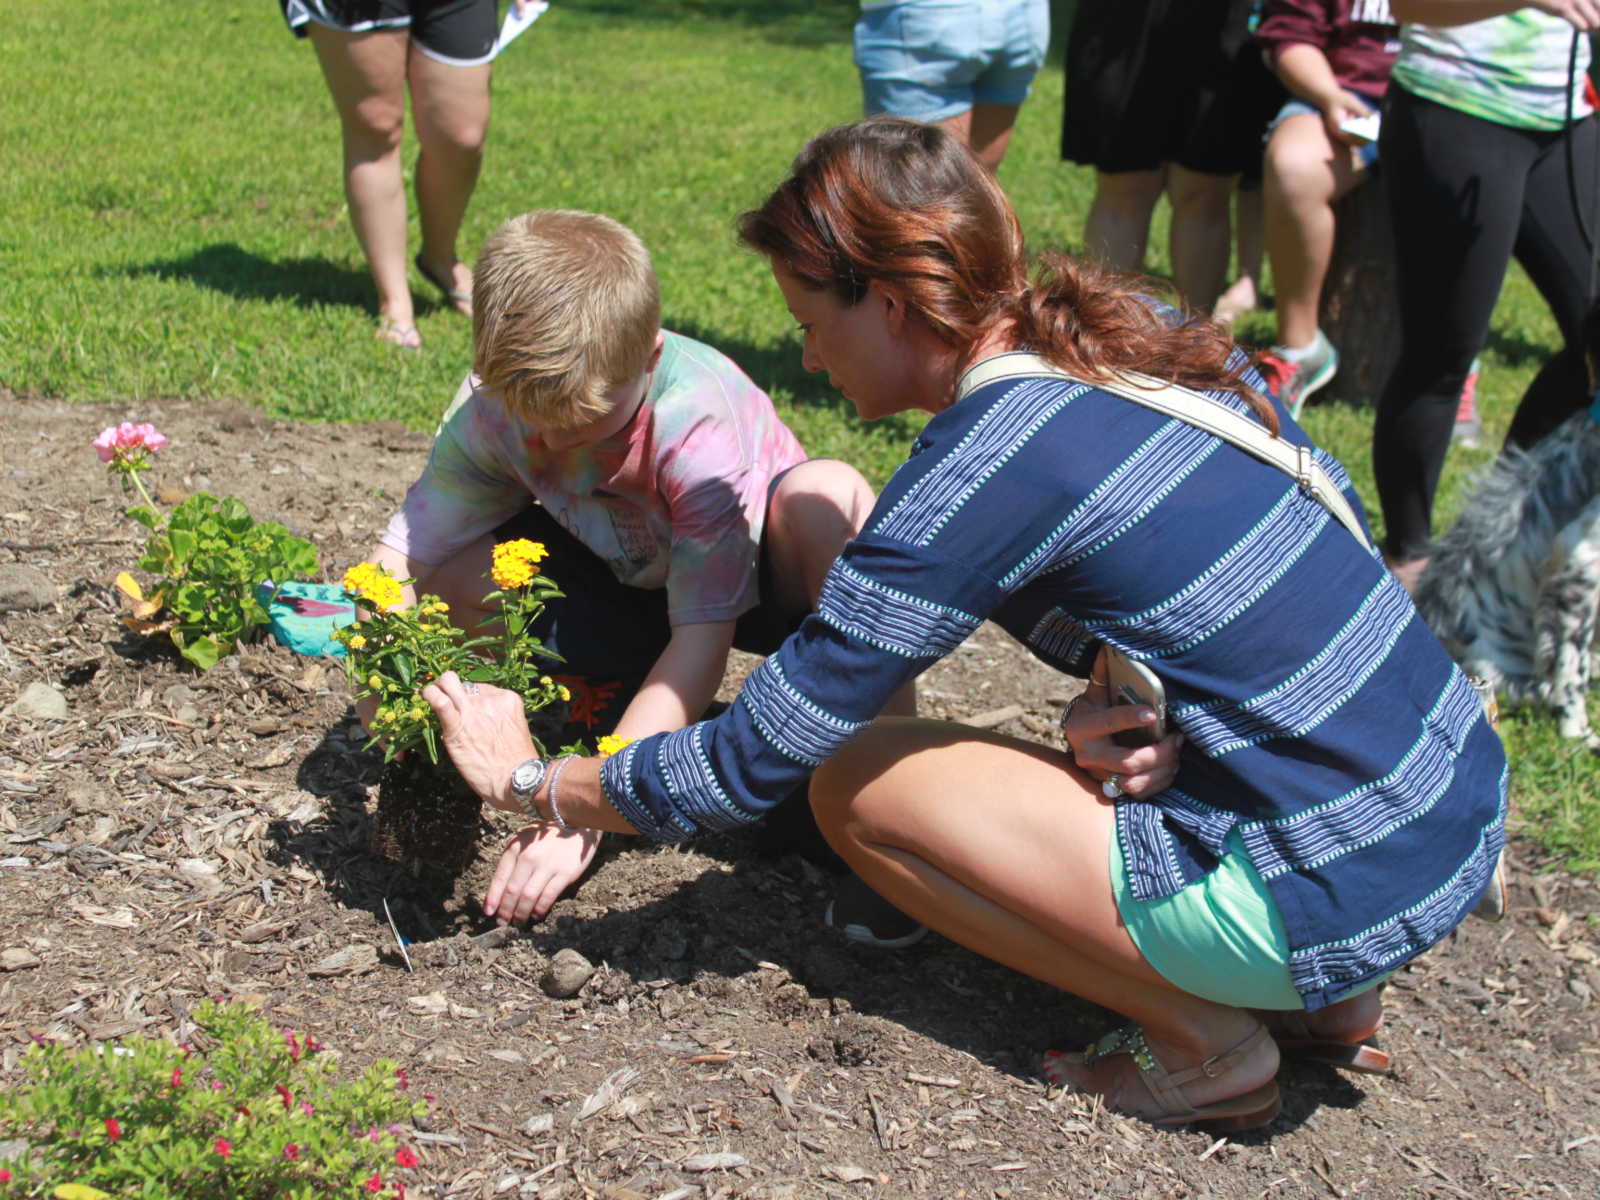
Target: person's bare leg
pixel 450 108
pixel 366 73
pixel 986 129
pixel 1244 293
pixel 1202 239
pixel 1002 845
pixel 1118 226
pixel 1306 174
pixel 815 510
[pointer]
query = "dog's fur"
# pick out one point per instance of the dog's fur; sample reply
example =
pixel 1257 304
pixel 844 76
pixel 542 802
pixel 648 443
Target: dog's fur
pixel 1513 589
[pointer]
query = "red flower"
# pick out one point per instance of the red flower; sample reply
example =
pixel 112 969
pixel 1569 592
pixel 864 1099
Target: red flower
pixel 313 1046
pixel 293 1043
pixel 401 1079
pixel 5 1175
pixel 406 1156
pixel 292 1152
pixel 177 1077
pixel 223 1147
pixel 241 1110
pixel 113 1130
pixel 399 1191
pixel 374 1184
pixel 285 1095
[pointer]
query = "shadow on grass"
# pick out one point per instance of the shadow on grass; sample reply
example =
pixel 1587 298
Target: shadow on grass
pixel 1516 350
pixel 787 22
pixel 245 275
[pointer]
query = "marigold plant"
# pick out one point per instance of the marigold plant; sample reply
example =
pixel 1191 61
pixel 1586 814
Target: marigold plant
pixel 247 1112
pixel 398 649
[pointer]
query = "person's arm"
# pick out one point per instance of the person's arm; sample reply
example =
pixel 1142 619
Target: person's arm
pixel 1305 71
pixel 683 681
pixel 1581 14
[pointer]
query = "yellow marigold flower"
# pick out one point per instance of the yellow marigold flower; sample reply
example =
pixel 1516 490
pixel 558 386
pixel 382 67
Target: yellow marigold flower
pixel 545 681
pixel 516 562
pixel 375 682
pixel 355 641
pixel 416 714
pixel 439 606
pixel 374 585
pixel 561 690
pixel 609 744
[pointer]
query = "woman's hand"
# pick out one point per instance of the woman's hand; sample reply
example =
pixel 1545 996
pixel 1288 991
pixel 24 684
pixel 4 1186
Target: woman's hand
pixel 1137 770
pixel 536 866
pixel 486 733
pixel 1339 108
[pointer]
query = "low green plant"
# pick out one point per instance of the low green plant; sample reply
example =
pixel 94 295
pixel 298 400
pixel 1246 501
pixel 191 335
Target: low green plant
pixel 245 1112
pixel 209 555
pixel 397 650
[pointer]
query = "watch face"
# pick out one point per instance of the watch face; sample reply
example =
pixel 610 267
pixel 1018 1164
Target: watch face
pixel 525 779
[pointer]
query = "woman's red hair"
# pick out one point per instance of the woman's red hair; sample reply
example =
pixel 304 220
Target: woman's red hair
pixel 907 205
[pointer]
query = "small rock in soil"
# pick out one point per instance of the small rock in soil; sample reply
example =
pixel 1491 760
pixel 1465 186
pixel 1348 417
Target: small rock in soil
pixel 567 973
pixel 25 588
pixel 39 702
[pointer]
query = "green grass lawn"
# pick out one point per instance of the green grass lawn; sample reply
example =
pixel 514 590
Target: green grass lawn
pixel 172 223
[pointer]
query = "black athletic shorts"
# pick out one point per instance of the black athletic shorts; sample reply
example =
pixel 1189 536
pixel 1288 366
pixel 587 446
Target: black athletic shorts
pixel 610 634
pixel 460 33
pixel 1166 81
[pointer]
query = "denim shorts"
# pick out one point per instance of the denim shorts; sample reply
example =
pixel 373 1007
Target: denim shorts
pixel 1366 152
pixel 930 60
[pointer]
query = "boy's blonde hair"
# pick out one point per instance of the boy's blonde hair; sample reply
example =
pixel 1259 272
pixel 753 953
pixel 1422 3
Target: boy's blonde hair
pixel 564 307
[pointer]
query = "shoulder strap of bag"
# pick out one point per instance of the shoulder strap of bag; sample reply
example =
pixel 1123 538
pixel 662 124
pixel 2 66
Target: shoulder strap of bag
pixel 1195 409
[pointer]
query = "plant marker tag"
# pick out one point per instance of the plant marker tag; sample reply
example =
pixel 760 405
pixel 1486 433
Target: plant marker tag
pixel 398 940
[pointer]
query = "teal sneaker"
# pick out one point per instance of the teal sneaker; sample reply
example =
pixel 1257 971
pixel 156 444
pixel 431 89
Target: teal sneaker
pixel 1291 382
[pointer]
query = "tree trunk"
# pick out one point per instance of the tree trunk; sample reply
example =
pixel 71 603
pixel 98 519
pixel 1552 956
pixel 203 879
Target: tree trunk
pixel 1360 306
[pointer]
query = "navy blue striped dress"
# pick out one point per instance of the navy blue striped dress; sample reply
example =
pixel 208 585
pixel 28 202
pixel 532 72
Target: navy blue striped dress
pixel 1322 719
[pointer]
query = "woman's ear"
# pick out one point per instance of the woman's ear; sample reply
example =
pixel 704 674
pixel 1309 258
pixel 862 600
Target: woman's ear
pixel 894 307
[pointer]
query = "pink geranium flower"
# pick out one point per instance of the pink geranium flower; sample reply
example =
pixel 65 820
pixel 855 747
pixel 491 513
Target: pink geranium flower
pixel 405 1157
pixel 128 442
pixel 223 1147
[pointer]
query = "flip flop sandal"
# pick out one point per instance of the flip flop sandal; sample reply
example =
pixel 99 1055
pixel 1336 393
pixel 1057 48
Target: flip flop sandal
pixel 453 296
pixel 1250 1110
pixel 397 334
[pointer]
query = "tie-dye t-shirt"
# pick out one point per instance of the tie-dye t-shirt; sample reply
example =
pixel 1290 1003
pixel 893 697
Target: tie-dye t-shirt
pixel 676 500
pixel 1511 70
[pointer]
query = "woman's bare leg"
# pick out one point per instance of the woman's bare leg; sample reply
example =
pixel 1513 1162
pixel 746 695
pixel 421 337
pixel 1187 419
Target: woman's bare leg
pixel 450 108
pixel 1002 846
pixel 366 74
pixel 1118 226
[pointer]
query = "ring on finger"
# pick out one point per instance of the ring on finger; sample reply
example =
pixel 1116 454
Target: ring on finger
pixel 470 688
pixel 1112 787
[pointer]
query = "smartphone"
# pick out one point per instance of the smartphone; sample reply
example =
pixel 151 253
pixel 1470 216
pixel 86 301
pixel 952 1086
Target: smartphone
pixel 1365 128
pixel 1131 682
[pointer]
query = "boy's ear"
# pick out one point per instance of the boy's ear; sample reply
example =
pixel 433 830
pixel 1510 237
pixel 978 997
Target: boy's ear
pixel 655 355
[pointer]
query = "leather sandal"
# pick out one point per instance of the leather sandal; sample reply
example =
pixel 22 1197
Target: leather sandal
pixel 1169 1109
pixel 453 296
pixel 1297 1041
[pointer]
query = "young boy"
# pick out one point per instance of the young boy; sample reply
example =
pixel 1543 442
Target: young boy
pixel 681 516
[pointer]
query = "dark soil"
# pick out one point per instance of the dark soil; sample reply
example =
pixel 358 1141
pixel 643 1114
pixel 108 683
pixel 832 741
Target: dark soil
pixel 180 835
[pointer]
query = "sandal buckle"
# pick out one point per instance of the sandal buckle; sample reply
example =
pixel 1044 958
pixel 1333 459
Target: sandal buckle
pixel 1211 1068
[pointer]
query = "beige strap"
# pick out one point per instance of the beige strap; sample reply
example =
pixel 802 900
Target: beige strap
pixel 1194 409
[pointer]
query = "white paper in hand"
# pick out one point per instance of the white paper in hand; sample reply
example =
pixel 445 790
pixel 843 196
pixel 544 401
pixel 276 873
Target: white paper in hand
pixel 514 24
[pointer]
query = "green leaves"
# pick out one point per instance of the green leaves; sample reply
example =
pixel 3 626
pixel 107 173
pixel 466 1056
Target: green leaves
pixel 211 556
pixel 146 1117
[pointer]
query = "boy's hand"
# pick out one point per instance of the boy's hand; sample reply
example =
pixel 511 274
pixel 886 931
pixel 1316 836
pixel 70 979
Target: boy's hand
pixel 536 866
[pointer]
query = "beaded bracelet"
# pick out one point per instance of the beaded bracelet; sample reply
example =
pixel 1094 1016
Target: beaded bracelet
pixel 555 774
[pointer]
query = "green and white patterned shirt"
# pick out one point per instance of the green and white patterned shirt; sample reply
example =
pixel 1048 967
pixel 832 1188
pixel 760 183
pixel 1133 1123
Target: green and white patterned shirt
pixel 1512 70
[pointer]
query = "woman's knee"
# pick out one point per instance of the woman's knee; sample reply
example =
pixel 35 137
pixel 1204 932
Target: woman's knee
pixel 814 511
pixel 375 124
pixel 1299 162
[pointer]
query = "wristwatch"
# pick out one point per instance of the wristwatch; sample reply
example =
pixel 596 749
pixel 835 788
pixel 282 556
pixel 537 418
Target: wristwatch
pixel 525 780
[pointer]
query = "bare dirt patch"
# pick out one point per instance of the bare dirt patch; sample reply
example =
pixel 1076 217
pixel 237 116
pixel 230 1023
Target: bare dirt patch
pixel 180 835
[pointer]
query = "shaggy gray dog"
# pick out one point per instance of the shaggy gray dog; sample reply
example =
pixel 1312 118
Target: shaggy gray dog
pixel 1512 589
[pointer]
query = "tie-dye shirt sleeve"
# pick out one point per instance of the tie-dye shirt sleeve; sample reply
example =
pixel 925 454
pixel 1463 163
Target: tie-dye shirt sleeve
pixel 678 500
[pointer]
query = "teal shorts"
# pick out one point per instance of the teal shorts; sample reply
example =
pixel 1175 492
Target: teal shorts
pixel 1220 938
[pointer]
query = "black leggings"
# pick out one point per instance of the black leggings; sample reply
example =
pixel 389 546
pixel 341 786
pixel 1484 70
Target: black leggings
pixel 1465 195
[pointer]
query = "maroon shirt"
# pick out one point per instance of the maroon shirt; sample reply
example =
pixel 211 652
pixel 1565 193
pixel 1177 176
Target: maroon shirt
pixel 1359 37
